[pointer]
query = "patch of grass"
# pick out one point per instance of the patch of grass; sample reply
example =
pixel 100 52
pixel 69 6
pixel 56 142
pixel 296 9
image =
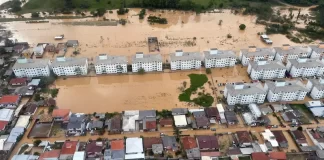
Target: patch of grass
pixel 224 158
pixel 245 158
pixel 307 113
pixel 197 81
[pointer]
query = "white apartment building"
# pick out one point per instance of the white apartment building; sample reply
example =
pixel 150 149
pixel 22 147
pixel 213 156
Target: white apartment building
pixel 266 70
pixel 255 54
pixel 149 62
pixel 107 64
pixel 304 67
pixel 185 60
pixel 316 88
pixel 285 90
pixel 317 51
pixel 31 67
pixel 219 58
pixel 244 93
pixel 63 66
pixel 287 52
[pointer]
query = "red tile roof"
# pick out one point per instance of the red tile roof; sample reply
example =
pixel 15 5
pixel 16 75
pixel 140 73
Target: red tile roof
pixel 64 113
pixel 18 80
pixel 3 125
pixel 243 137
pixel 209 142
pixel 166 121
pixel 148 141
pixel 211 154
pixel 69 147
pixel 50 154
pixel 259 156
pixel 280 137
pixel 94 147
pixel 151 124
pixel 277 155
pixel 117 144
pixel 189 142
pixel 9 99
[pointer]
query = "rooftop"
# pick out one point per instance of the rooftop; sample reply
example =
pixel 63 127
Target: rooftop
pixel 307 63
pixel 69 61
pixel 176 111
pixel 166 121
pixel 317 83
pixel 230 116
pixel 18 81
pixel 244 137
pixel 117 144
pixel 189 142
pixel 30 63
pixel 110 59
pixel 9 99
pixel 317 48
pixel 64 113
pixel 50 154
pixel 211 112
pixel 6 114
pixel 286 86
pixel 134 145
pixel 280 137
pixel 69 147
pixel 169 142
pixel 277 155
pixel 253 51
pixel 76 121
pixel 259 156
pixel 23 121
pixel 40 130
pixel 180 120
pixel 267 65
pixel 245 89
pixel 209 142
pixel 184 56
pixel 202 121
pixel 286 49
pixel 149 141
pixel 146 58
pixel 3 124
pixel 94 146
pixel 218 54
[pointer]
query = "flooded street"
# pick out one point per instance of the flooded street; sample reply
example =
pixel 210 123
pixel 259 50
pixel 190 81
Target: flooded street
pixel 116 93
pixel 185 30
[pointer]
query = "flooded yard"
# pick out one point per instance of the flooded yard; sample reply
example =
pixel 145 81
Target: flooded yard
pixel 116 93
pixel 185 30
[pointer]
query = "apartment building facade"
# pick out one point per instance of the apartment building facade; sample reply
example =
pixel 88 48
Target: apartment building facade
pixel 317 51
pixel 304 67
pixel 31 67
pixel 215 58
pixel 70 66
pixel 287 52
pixel 266 70
pixel 254 54
pixel 244 93
pixel 148 62
pixel 285 90
pixel 107 64
pixel 185 60
pixel 316 88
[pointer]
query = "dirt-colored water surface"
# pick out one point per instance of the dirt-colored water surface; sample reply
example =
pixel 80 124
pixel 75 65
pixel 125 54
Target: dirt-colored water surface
pixel 185 30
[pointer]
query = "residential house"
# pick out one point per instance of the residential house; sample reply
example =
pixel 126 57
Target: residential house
pixel 68 149
pixel 207 142
pixel 148 124
pixel 19 47
pixel 287 52
pixel 299 137
pixel 244 138
pixel 231 117
pixel 255 54
pixel 219 58
pixel 202 122
pixel 212 113
pixel 31 67
pixel 191 147
pixel 264 69
pixel 221 112
pixel 154 144
pixel 18 81
pixel 95 125
pixel 185 60
pixel 269 137
pixel 277 107
pixel 316 107
pixel 29 109
pixel 179 111
pixel 265 109
pixel 63 66
pixel 107 64
pixel 259 156
pixel 76 125
pixel 38 51
pixel 304 67
pixel 169 143
pixel 277 155
pixel 148 62
pixel 281 139
pixel 180 121
pixel 166 122
pixel 317 51
pixel 134 148
pixel 50 155
pixel 129 120
pixel 199 114
pixel 24 157
pixel 316 88
pixel 80 155
pixel 115 125
pixel 9 101
pixel 117 150
pixel 94 149
pixel 61 115
pixel 157 149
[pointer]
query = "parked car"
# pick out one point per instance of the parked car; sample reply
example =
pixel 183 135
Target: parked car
pixel 266 39
pixel 213 129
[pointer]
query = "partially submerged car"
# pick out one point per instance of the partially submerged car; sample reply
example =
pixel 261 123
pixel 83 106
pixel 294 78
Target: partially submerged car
pixel 266 39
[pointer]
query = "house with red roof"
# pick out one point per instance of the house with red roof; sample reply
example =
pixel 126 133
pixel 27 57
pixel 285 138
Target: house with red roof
pixel 281 139
pixel 68 149
pixel 117 149
pixel 191 147
pixel 207 142
pixel 259 156
pixel 9 101
pixel 3 125
pixel 50 155
pixel 148 125
pixel 18 81
pixel 94 149
pixel 61 115
pixel 244 138
pixel 166 122
pixel 277 155
pixel 149 141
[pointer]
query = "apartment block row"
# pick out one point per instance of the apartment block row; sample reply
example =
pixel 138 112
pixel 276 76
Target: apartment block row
pixel 273 91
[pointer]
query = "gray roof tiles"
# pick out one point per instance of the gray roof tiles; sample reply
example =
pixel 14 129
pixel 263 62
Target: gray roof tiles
pixel 316 83
pixel 75 121
pixel 70 61
pixel 290 86
pixel 110 60
pixel 185 56
pixel 292 50
pixel 310 63
pixel 32 63
pixel 316 48
pixel 248 89
pixel 147 58
pixel 270 65
pixel 258 52
pixel 220 54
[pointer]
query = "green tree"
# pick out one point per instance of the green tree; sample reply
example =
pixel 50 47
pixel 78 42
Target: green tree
pixel 101 11
pixel 54 92
pixel 51 108
pixel 37 142
pixel 36 153
pixel 242 26
pixel 35 15
pixel 208 71
pixel 5 90
pixel 141 71
pixel 37 97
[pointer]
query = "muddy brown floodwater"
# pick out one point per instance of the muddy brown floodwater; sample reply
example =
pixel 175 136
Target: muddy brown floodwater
pixel 117 93
pixel 179 33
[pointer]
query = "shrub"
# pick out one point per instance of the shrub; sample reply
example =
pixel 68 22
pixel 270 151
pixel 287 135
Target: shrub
pixel 208 71
pixel 37 142
pixel 35 15
pixel 229 36
pixel 242 26
pixel 141 71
